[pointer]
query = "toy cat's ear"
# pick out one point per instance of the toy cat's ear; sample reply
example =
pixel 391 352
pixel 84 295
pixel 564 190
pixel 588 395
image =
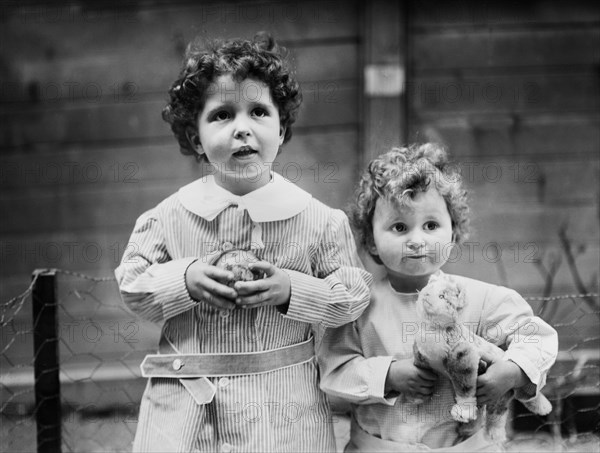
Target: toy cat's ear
pixel 456 289
pixel 433 278
pixel 460 298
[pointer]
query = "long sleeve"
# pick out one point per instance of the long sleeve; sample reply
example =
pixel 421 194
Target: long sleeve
pixel 531 343
pixel 338 290
pixel 346 373
pixel 151 283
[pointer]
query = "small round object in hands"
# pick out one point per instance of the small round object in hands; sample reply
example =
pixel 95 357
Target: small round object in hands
pixel 238 261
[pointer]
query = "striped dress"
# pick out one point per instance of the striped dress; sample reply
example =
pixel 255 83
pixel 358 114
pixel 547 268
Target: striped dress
pixel 278 411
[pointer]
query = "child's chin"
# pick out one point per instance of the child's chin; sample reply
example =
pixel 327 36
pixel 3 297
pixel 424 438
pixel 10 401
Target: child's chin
pixel 418 271
pixel 251 171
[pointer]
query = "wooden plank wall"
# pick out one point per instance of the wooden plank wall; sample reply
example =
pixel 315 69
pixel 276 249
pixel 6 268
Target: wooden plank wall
pixel 512 89
pixel 84 150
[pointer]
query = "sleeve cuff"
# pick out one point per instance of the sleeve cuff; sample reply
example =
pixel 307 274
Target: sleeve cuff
pixel 169 283
pixel 329 301
pixel 379 367
pixel 303 303
pixel 529 390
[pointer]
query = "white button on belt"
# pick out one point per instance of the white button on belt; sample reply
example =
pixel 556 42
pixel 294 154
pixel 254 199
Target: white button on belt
pixel 224 313
pixel 177 364
pixel 226 246
pixel 223 382
pixel 226 448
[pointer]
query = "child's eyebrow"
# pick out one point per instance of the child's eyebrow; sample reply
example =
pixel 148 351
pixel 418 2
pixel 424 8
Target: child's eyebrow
pixel 218 107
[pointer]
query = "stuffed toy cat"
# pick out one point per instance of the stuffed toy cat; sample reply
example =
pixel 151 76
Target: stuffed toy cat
pixel 451 349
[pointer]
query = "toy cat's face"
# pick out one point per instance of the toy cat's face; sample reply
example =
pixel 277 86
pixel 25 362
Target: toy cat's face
pixel 441 301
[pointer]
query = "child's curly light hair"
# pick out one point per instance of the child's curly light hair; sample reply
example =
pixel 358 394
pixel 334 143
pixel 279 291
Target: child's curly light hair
pixel 261 59
pixel 401 173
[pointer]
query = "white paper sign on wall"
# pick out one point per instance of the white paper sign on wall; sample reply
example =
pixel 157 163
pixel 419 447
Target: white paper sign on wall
pixel 384 80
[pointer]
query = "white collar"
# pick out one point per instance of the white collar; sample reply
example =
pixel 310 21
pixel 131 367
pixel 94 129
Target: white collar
pixel 279 199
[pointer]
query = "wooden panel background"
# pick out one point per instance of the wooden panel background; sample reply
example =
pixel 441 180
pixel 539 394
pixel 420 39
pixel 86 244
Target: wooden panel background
pixel 510 87
pixel 512 90
pixel 84 148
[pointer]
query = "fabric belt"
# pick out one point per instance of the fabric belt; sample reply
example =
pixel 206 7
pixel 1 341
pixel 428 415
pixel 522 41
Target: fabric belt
pixel 174 365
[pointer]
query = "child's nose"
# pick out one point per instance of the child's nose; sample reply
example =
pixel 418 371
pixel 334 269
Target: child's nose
pixel 415 241
pixel 241 127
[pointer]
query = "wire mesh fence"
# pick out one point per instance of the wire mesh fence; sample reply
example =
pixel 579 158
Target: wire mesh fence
pixel 92 403
pixel 100 345
pixel 573 384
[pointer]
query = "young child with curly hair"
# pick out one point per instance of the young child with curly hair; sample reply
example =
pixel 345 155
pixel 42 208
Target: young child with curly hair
pixel 236 369
pixel 410 210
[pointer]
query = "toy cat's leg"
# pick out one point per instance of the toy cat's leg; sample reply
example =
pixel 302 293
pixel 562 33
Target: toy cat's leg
pixel 538 405
pixel 466 430
pixel 461 365
pixel 420 361
pixel 496 418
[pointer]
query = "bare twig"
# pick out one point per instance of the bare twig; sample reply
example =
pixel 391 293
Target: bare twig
pixel 555 261
pixel 565 242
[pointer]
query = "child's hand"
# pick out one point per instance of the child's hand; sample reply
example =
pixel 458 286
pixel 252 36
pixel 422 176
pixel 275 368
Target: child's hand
pixel 209 284
pixel 274 289
pixel 403 376
pixel 499 378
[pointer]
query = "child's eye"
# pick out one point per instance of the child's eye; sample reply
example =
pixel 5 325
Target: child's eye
pixel 221 115
pixel 431 226
pixel 399 227
pixel 260 112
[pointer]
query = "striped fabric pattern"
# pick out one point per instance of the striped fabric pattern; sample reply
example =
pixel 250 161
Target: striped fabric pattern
pixel 282 410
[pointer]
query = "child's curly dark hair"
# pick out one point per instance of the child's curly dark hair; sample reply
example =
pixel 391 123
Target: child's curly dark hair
pixel 261 59
pixel 401 173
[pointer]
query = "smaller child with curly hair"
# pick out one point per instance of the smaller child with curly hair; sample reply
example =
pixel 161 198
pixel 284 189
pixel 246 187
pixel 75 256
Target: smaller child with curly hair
pixel 410 210
pixel 236 369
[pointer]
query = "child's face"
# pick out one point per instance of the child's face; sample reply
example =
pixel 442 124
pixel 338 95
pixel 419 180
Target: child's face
pixel 240 133
pixel 412 242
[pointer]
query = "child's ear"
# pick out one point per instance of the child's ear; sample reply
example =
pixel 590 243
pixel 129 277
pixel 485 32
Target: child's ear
pixel 282 130
pixel 372 249
pixel 370 246
pixel 194 139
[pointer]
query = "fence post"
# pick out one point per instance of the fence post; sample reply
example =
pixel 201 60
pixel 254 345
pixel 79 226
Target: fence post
pixel 45 362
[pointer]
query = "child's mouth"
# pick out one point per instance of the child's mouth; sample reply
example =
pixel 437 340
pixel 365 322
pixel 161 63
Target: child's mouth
pixel 244 151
